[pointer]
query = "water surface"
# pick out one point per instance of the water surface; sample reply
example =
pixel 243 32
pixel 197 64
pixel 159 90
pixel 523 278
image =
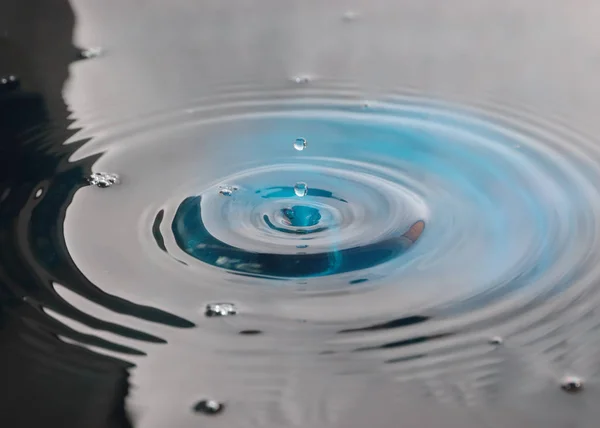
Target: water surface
pixel 428 258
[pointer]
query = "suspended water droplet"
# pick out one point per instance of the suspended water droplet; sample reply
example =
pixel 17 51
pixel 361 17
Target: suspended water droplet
pixel 300 189
pixel 302 79
pixel 90 53
pixel 496 340
pixel 39 193
pixel 571 384
pixel 9 82
pixel 209 407
pixel 300 144
pixel 103 179
pixel 220 310
pixel 227 190
pixel 350 15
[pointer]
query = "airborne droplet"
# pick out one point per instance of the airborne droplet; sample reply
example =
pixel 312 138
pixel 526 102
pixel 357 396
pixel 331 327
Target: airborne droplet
pixel 300 189
pixel 300 144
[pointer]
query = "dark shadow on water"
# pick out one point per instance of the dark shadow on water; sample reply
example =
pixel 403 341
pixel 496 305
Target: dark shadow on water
pixel 43 380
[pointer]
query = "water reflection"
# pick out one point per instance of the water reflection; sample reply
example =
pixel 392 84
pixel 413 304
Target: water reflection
pixel 37 182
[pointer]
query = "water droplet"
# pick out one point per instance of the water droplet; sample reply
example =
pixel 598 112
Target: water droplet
pixel 39 193
pixel 350 15
pixel 220 310
pixel 300 144
pixel 103 179
pixel 209 407
pixel 300 189
pixel 571 384
pixel 9 82
pixel 496 340
pixel 227 190
pixel 90 53
pixel 302 79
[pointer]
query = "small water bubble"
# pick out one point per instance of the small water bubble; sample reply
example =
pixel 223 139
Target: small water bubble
pixel 300 144
pixel 9 82
pixel 209 407
pixel 300 189
pixel 302 79
pixel 90 53
pixel 103 179
pixel 571 384
pixel 227 190
pixel 496 340
pixel 220 310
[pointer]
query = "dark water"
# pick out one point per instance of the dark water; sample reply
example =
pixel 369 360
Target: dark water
pixel 276 214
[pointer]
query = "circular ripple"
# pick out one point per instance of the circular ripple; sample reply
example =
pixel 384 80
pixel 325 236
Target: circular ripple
pixel 457 206
pixel 349 220
pixel 426 230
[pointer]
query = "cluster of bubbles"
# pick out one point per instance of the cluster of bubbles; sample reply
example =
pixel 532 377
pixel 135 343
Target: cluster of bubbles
pixel 220 310
pixel 103 179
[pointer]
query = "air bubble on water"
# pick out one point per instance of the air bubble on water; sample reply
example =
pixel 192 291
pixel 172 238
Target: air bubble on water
pixel 302 79
pixel 209 407
pixel 220 310
pixel 350 15
pixel 91 53
pixel 496 340
pixel 227 190
pixel 300 189
pixel 571 384
pixel 300 144
pixel 103 179
pixel 9 82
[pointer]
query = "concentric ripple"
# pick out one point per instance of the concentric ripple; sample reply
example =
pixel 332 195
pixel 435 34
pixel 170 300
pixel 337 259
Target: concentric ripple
pixel 348 221
pixel 427 230
pixel 454 204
